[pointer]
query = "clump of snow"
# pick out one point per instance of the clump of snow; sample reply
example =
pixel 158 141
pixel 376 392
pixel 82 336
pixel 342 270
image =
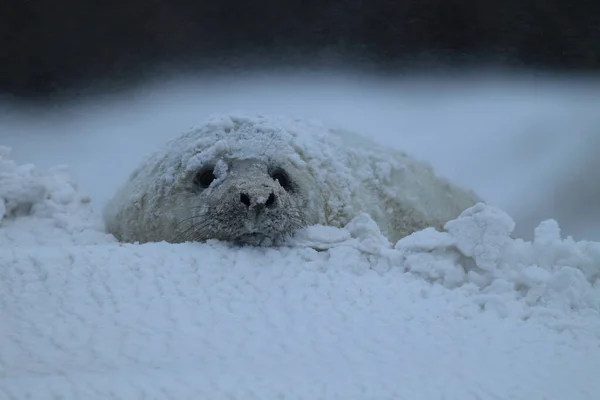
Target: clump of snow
pixel 468 312
pixel 482 233
pixel 43 207
pixel 477 249
pixel 19 190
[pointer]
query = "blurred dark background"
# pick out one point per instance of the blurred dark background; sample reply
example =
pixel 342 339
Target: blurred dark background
pixel 48 47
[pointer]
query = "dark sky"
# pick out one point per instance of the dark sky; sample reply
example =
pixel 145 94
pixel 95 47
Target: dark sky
pixel 48 46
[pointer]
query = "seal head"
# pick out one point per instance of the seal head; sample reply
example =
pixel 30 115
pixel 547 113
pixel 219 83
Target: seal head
pixel 234 179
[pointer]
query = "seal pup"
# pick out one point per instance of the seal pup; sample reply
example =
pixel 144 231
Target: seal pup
pixel 254 180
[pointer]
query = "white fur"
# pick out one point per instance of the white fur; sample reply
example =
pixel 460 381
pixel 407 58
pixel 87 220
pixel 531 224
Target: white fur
pixel 343 174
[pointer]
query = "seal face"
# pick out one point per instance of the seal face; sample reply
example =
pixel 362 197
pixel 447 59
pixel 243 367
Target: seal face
pixel 256 180
pixel 257 203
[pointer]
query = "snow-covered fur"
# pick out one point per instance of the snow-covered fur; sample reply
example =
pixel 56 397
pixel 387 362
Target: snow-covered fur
pixel 334 175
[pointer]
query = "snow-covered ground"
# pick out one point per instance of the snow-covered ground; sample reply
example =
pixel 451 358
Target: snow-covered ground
pixel 471 313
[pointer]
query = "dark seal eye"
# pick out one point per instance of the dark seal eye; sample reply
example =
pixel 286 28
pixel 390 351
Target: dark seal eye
pixel 283 179
pixel 205 178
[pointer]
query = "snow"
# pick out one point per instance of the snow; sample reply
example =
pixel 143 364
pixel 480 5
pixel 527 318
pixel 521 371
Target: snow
pixel 44 207
pixel 474 312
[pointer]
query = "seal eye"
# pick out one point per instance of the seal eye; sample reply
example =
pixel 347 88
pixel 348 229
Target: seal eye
pixel 283 179
pixel 205 178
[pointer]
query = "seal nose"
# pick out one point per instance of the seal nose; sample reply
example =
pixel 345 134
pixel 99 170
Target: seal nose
pixel 269 202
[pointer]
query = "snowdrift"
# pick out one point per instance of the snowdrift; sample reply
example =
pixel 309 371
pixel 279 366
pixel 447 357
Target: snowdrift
pixel 468 313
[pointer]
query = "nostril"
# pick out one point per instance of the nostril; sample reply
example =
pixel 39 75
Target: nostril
pixel 270 201
pixel 244 198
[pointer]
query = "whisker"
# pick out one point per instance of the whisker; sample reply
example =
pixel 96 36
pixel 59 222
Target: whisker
pixel 189 219
pixel 268 145
pixel 192 230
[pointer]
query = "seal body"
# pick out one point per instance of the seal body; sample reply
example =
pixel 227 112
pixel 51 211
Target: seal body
pixel 256 180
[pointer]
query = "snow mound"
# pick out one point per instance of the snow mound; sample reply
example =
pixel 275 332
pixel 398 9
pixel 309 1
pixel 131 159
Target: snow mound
pixel 477 252
pixel 467 313
pixel 43 207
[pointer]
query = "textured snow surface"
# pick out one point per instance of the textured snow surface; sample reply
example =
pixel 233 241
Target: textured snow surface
pixel 469 313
